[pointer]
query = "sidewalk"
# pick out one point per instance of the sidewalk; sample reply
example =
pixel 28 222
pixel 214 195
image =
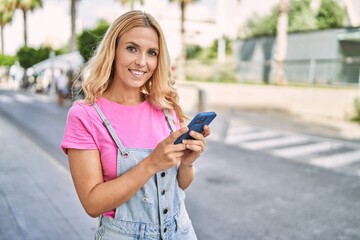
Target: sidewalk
pixel 316 108
pixel 37 197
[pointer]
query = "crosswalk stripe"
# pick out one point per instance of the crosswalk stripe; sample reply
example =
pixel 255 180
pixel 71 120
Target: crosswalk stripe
pixel 240 130
pixel 290 145
pixel 251 136
pixel 306 149
pixel 214 137
pixel 337 160
pixel 277 142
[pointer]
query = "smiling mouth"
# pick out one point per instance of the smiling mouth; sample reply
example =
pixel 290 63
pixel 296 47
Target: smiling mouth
pixel 137 73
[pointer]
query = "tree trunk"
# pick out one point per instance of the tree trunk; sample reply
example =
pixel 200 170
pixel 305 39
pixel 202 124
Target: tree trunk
pixel 2 39
pixel 281 44
pixel 25 27
pixel 73 26
pixel 181 73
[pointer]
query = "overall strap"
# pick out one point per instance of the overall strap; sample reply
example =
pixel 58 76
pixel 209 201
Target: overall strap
pixel 110 129
pixel 169 120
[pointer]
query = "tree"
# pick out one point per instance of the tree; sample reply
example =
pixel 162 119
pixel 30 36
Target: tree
pixel 89 39
pixel 330 15
pixel 29 56
pixel 281 43
pixel 301 18
pixel 25 6
pixel 182 58
pixel 131 3
pixel 7 9
pixel 73 26
pixel 7 60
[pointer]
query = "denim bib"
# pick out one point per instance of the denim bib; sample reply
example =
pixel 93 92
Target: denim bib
pixel 156 211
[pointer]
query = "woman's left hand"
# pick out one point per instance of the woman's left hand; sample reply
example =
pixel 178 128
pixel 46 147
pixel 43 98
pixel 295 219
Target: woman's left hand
pixel 194 147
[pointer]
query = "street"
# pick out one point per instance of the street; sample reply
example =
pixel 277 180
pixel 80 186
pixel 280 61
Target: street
pixel 253 182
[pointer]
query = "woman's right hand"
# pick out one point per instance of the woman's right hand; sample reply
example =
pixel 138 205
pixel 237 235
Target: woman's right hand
pixel 167 154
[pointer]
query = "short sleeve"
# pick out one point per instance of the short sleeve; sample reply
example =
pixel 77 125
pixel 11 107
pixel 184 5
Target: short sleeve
pixel 78 133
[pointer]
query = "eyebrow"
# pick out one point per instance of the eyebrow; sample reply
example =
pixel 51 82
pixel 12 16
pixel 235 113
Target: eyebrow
pixel 137 45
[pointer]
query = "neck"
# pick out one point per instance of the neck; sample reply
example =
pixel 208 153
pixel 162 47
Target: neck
pixel 124 98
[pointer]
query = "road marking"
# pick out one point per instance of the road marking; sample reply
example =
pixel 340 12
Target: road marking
pixel 214 136
pixel 240 130
pixel 277 142
pixel 306 149
pixel 291 145
pixel 251 136
pixel 337 160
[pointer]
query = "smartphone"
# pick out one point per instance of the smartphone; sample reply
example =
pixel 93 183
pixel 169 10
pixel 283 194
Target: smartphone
pixel 197 124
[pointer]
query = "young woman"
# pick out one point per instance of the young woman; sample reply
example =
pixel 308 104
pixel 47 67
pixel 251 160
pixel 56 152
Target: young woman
pixel 120 140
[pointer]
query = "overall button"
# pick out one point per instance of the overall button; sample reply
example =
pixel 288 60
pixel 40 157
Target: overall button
pixel 163 174
pixel 165 211
pixel 125 155
pixel 165 229
pixel 163 192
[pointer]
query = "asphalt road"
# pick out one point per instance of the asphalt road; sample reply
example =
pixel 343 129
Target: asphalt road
pixel 238 193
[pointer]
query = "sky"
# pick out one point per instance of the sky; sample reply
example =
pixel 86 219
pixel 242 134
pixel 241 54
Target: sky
pixel 52 22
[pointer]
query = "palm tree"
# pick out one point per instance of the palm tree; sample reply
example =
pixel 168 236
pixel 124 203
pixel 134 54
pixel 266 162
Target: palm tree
pixel 281 43
pixel 6 15
pixel 25 6
pixel 73 26
pixel 131 2
pixel 182 58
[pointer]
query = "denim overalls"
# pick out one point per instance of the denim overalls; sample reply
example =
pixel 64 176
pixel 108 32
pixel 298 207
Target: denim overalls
pixel 156 211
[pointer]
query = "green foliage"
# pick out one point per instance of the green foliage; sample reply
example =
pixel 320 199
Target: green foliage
pixel 29 56
pixel 262 26
pixel 26 5
pixel 7 9
pixel 6 60
pixel 193 51
pixel 204 54
pixel 89 39
pixel 228 42
pixel 357 110
pixel 330 15
pixel 300 18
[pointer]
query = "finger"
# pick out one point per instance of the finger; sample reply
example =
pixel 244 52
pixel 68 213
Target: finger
pixel 196 135
pixel 206 131
pixel 195 144
pixel 195 147
pixel 174 135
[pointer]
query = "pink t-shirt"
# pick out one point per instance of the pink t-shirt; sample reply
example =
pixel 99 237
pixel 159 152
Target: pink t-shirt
pixel 139 126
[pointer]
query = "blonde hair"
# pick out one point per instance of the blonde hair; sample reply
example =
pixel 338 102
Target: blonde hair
pixel 99 71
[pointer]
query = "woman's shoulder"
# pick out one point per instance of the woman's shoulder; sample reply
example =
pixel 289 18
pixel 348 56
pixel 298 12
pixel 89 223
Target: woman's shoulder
pixel 80 109
pixel 80 106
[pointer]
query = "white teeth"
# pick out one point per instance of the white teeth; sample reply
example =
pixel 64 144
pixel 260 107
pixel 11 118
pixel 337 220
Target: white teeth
pixel 137 73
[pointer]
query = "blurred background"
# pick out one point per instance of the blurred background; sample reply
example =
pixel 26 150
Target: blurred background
pixel 283 159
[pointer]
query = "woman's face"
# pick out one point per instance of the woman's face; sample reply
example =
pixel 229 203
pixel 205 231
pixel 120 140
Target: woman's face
pixel 136 57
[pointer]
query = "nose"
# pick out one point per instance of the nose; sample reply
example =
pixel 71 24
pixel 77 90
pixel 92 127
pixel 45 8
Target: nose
pixel 141 60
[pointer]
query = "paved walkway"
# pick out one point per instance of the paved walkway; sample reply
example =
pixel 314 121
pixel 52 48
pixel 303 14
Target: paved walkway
pixel 37 197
